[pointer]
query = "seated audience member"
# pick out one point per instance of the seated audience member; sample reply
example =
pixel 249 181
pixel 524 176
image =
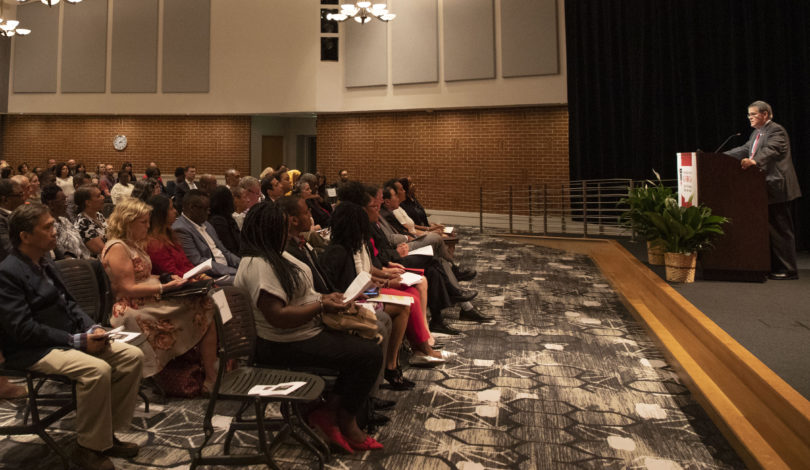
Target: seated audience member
pixel 403 218
pixel 171 186
pixel 343 177
pixel 290 333
pixel 346 256
pixel 122 189
pixel 43 329
pixel 35 188
pixel 199 239
pixel 80 168
pixel 266 172
pixel 25 186
pixel 285 178
pixel 468 312
pixel 90 222
pixel 126 167
pixel 46 177
pixel 221 218
pixel 251 194
pixel 239 205
pixel 6 172
pixel 440 288
pixel 144 189
pixel 307 188
pixel 185 185
pixel 23 168
pixel 164 250
pixel 272 188
pixel 69 242
pixel 152 171
pixel 321 179
pixel 11 197
pixel 411 205
pixel 207 183
pixel 232 177
pixel 172 325
pixel 65 180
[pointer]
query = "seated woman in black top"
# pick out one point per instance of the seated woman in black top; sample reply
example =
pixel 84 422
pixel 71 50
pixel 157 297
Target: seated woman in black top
pixel 411 205
pixel 290 333
pixel 221 218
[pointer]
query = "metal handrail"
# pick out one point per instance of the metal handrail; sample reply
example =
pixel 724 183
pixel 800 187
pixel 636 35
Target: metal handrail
pixel 570 208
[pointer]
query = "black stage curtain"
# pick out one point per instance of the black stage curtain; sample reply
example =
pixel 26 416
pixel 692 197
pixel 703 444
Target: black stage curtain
pixel 649 78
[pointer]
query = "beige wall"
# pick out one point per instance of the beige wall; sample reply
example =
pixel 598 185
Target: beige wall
pixel 265 59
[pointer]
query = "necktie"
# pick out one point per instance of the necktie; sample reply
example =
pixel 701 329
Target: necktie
pixel 754 147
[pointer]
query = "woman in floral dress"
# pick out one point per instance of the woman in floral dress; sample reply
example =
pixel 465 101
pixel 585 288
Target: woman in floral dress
pixel 172 325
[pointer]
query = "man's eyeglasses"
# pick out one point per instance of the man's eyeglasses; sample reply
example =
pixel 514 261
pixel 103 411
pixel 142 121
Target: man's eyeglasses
pixel 754 114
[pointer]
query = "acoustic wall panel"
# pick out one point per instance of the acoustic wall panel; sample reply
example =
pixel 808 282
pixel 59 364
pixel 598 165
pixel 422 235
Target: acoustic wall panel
pixel 415 41
pixel 35 54
pixel 133 65
pixel 529 38
pixel 366 54
pixel 469 39
pixel 186 46
pixel 84 47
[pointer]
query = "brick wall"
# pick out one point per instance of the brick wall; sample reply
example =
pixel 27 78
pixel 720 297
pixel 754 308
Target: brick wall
pixel 211 143
pixel 449 154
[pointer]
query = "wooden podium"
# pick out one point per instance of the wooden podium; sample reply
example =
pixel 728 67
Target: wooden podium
pixel 743 253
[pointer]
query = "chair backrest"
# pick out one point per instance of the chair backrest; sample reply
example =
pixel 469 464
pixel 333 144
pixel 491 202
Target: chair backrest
pixel 81 281
pixel 237 336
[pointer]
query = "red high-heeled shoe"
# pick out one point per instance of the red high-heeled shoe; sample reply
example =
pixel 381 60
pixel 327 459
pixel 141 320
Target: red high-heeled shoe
pixel 369 444
pixel 321 421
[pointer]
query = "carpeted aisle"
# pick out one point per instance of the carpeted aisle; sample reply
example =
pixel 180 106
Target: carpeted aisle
pixel 564 379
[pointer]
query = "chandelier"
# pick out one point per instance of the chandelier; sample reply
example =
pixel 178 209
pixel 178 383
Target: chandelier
pixel 50 3
pixel 362 12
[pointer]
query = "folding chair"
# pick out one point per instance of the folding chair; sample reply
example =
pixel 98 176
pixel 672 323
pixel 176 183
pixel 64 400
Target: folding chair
pixel 36 403
pixel 237 340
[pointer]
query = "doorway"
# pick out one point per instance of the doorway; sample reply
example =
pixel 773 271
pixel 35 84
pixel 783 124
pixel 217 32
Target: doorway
pixel 272 151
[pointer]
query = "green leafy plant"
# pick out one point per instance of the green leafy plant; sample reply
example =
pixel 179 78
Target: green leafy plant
pixel 641 200
pixel 686 229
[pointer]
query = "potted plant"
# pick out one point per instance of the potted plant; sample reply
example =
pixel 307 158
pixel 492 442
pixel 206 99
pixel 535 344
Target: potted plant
pixel 642 200
pixel 684 231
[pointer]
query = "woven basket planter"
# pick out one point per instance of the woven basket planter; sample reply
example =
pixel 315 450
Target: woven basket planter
pixel 655 253
pixel 680 267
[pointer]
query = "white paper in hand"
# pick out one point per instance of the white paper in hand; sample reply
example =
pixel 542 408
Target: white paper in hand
pixel 426 250
pixel 360 284
pixel 448 230
pixel 410 279
pixel 200 268
pixel 331 192
pixel 222 304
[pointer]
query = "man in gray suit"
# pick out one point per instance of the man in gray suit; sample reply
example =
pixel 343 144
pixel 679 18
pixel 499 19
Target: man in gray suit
pixel 199 239
pixel 768 149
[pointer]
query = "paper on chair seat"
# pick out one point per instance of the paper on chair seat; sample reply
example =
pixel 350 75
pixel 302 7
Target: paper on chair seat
pixel 285 388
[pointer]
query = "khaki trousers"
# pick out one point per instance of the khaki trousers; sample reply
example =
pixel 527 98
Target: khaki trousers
pixel 106 390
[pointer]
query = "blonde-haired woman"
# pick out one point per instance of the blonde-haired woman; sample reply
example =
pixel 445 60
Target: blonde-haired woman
pixel 173 326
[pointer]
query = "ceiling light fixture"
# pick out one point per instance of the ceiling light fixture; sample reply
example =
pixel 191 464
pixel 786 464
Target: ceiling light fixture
pixel 362 12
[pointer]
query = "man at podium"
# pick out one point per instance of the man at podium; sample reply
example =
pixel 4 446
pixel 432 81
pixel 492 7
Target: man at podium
pixel 768 149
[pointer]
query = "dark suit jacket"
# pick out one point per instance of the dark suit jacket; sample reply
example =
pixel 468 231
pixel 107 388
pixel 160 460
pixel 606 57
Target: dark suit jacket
pixel 321 282
pixel 180 191
pixel 197 249
pixel 228 232
pixel 36 316
pixel 773 157
pixel 338 264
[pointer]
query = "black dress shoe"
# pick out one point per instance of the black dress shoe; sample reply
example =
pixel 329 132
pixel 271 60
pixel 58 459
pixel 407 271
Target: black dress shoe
pixel 464 274
pixel 474 315
pixel 121 449
pixel 443 328
pixel 378 419
pixel 379 404
pixel 90 459
pixel 783 276
pixel 464 295
pixel 396 381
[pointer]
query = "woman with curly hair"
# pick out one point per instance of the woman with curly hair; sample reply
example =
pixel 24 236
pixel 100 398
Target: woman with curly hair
pixel 287 313
pixel 172 326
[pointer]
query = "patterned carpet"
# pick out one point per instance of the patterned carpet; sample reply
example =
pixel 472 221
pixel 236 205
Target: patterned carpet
pixel 565 379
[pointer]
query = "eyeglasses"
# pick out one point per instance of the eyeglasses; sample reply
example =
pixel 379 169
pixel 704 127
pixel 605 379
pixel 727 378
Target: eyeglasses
pixel 755 114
